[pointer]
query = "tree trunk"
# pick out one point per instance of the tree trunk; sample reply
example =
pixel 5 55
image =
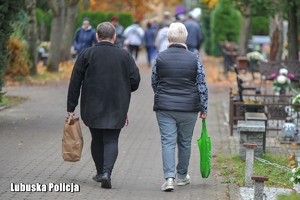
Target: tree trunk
pixel 31 35
pixel 57 7
pixel 245 31
pixel 67 38
pixel 293 32
pixel 276 36
pixel 86 4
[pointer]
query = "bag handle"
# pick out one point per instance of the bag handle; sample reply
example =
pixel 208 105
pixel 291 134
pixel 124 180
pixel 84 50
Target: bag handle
pixel 204 130
pixel 71 116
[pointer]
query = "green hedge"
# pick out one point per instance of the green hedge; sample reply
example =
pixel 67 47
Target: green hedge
pixel 125 19
pixel 205 20
pixel 226 23
pixel 260 25
pixel 46 18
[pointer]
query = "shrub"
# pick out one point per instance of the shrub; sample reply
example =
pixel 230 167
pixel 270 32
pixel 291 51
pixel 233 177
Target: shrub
pixel 95 18
pixel 125 19
pixel 226 23
pixel 8 10
pixel 44 20
pixel 260 25
pixel 205 20
pixel 17 62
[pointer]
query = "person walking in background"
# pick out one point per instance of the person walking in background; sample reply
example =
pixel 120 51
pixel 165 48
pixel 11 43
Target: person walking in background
pixel 134 34
pixel 119 31
pixel 195 36
pixel 149 42
pixel 106 76
pixel 165 22
pixel 161 40
pixel 180 92
pixel 85 36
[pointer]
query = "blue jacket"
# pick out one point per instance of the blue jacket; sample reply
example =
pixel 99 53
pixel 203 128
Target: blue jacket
pixel 195 36
pixel 149 37
pixel 84 39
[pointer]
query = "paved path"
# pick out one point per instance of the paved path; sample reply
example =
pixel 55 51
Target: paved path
pixel 30 141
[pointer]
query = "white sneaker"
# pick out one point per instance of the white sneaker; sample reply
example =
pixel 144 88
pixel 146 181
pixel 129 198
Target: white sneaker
pixel 184 181
pixel 168 185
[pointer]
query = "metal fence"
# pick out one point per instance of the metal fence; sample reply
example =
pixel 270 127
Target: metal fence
pixel 277 109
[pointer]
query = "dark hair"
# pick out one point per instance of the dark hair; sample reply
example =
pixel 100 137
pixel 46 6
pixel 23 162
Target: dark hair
pixel 106 31
pixel 149 25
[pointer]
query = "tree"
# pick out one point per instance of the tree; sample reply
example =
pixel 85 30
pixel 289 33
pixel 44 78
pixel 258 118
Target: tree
pixel 293 29
pixel 8 10
pixel 276 37
pixel 136 7
pixel 86 4
pixel 31 35
pixel 225 24
pixel 66 43
pixel 245 30
pixel 276 9
pixel 57 8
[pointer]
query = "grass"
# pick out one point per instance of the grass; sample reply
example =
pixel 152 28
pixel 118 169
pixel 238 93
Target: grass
pixel 288 197
pixel 233 170
pixel 11 100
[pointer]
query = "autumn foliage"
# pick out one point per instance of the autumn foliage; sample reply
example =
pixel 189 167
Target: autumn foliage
pixel 17 62
pixel 138 8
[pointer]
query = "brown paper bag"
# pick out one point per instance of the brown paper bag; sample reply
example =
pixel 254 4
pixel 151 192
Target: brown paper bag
pixel 72 141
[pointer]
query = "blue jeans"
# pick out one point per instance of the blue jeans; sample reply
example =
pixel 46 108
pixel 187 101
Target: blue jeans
pixel 151 53
pixel 176 127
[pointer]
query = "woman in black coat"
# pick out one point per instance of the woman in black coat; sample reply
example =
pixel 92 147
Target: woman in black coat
pixel 106 76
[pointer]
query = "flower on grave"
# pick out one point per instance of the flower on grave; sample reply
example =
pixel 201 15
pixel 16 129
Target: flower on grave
pixel 295 175
pixel 283 71
pixel 281 81
pixel 255 56
pixel 296 100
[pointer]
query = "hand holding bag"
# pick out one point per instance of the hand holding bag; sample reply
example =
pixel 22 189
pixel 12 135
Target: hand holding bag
pixel 204 145
pixel 72 141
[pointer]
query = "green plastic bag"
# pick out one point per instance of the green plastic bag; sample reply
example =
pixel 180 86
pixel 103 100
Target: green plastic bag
pixel 204 145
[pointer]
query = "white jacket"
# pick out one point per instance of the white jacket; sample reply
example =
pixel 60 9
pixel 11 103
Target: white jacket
pixel 161 41
pixel 134 33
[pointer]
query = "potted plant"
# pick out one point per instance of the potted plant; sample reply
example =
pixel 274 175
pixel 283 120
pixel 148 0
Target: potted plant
pixel 296 179
pixel 282 81
pixel 296 100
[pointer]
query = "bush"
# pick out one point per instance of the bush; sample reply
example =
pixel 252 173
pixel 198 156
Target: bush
pixel 19 25
pixel 95 18
pixel 205 20
pixel 226 23
pixel 260 25
pixel 125 19
pixel 8 10
pixel 17 63
pixel 44 20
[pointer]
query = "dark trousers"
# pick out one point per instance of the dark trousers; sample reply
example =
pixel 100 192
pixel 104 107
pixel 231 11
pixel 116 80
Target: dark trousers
pixel 104 148
pixel 135 48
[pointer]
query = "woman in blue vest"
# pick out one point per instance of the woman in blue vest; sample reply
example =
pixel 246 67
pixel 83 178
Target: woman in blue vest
pixel 85 36
pixel 180 89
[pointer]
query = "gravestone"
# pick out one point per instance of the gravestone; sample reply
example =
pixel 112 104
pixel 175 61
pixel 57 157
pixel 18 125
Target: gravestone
pixel 251 132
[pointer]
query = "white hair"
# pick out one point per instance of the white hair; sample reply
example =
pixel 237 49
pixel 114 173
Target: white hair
pixel 177 33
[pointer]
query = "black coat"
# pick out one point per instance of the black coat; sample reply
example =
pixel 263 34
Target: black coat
pixel 106 76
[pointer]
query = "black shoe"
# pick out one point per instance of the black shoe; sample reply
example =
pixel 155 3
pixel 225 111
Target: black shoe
pixel 106 183
pixel 97 177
